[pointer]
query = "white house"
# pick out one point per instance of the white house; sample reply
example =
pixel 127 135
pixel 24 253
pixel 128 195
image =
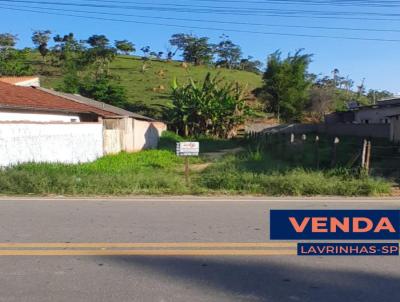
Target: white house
pixel 40 125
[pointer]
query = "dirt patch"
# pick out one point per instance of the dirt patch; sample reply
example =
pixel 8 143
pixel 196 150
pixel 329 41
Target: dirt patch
pixel 199 167
pixel 222 153
pixel 396 191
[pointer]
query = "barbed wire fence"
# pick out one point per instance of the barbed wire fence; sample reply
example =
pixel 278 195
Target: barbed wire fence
pixel 374 156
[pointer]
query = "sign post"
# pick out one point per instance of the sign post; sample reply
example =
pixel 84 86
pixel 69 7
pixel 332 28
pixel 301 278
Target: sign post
pixel 186 150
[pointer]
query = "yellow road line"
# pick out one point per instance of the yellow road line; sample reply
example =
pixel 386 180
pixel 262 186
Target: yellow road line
pixel 147 252
pixel 153 245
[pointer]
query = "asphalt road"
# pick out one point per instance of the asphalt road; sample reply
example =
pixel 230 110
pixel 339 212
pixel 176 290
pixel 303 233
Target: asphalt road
pixel 176 249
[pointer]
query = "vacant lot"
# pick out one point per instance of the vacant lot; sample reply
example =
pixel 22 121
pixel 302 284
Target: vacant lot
pixel 254 170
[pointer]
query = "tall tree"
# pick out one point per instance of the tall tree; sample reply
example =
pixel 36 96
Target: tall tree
pixel 12 61
pixel 250 65
pixel 196 50
pixel 7 40
pixel 40 39
pixel 100 53
pixel 125 47
pixel 146 51
pixel 286 85
pixel 377 95
pixel 229 53
pixel 98 41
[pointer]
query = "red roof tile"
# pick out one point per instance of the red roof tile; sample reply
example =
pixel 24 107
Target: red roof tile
pixel 29 98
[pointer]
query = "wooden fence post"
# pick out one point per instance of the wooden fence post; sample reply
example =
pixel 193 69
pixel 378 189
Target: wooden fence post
pixel 317 151
pixel 368 157
pixel 334 152
pixel 364 153
pixel 303 139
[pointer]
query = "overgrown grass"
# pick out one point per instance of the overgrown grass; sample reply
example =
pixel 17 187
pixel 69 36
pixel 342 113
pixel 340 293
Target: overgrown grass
pixel 161 172
pixel 149 172
pixel 258 173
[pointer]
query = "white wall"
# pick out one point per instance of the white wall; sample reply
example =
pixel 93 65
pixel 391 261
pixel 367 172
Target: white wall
pixel 146 135
pixel 52 143
pixel 35 82
pixel 37 117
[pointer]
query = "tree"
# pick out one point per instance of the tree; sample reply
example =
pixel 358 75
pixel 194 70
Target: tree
pixel 12 61
pixel 69 52
pixel 40 39
pixel 98 41
pixel 322 100
pixel 250 65
pixel 100 54
pixel 377 95
pixel 7 40
pixel 229 53
pixel 125 47
pixel 214 107
pixel 146 51
pixel 286 85
pixel 196 50
pixel 104 89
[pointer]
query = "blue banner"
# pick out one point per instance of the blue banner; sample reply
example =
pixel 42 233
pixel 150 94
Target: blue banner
pixel 335 224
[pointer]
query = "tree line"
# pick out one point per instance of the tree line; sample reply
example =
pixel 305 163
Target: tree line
pixel 212 107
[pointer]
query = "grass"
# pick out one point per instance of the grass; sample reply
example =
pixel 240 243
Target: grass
pixel 161 172
pixel 147 172
pixel 152 87
pixel 258 173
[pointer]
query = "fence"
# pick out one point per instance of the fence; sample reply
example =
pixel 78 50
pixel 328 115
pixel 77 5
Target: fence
pixel 315 151
pixel 338 129
pixel 50 142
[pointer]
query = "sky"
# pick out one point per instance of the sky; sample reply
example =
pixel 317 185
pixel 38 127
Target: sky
pixel 361 38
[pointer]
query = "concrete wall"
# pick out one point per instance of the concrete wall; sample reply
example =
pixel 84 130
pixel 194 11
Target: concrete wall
pixel 375 115
pixel 112 141
pixel 147 134
pixel 52 143
pixel 37 117
pixel 134 135
pixel 360 130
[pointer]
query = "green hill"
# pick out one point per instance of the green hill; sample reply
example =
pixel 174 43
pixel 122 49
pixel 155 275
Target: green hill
pixel 151 87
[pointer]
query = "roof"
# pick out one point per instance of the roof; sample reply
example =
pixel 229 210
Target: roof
pixel 28 98
pixel 16 80
pixel 390 101
pixel 99 105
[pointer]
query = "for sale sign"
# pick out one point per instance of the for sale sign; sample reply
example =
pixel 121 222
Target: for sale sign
pixel 188 149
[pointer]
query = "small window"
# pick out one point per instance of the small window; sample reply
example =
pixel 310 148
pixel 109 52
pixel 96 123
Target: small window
pixel 74 120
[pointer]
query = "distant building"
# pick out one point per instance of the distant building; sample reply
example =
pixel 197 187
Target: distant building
pixel 379 113
pixel 374 120
pixel 395 128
